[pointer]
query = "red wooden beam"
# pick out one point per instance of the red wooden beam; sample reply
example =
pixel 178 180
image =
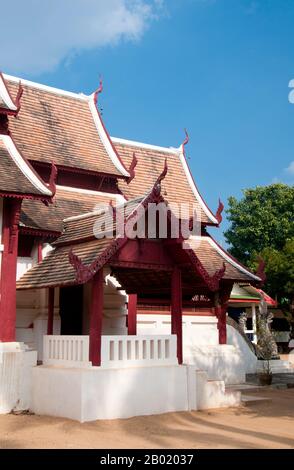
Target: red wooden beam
pixel 132 314
pixel 50 311
pixel 176 311
pixel 96 313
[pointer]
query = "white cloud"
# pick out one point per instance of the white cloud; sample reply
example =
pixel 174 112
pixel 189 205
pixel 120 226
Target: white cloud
pixel 36 35
pixel 290 168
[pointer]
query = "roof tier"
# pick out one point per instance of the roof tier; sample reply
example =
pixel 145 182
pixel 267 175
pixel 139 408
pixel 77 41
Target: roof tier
pixel 178 185
pixel 64 127
pixel 78 246
pixel 18 178
pixel 67 202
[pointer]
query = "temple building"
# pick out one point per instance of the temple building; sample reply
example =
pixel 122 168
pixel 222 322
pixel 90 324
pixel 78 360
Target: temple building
pixel 121 318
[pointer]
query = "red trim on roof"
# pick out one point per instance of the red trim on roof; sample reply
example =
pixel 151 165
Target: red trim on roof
pixel 191 174
pixel 15 101
pixel 233 259
pixel 38 232
pixel 110 141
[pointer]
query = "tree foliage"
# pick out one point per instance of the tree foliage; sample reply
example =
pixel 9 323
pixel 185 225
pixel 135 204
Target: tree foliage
pixel 263 218
pixel 262 226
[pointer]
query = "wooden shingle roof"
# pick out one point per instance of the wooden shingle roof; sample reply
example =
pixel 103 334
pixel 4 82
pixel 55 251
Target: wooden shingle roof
pixel 17 177
pixel 178 186
pixel 67 202
pixel 64 127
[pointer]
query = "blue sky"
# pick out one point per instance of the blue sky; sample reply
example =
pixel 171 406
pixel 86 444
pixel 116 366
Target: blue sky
pixel 221 68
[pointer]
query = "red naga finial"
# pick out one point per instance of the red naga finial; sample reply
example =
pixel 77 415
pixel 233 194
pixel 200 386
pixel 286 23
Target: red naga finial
pixel 163 173
pixel 99 90
pixel 132 168
pixel 219 211
pixel 18 97
pixel 186 139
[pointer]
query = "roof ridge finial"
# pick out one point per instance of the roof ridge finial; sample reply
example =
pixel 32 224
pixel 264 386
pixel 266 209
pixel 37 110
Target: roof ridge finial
pixel 185 142
pixel 132 168
pixel 99 90
pixel 163 173
pixel 219 211
pixel 18 97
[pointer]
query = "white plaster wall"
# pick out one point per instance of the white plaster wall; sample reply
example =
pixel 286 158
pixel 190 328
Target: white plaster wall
pixel 201 348
pixel 90 394
pixel 248 357
pixel 220 362
pixel 197 330
pixel 16 364
pixel 32 310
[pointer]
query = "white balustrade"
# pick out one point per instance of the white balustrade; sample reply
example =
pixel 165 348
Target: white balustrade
pixel 62 350
pixel 116 351
pixel 125 351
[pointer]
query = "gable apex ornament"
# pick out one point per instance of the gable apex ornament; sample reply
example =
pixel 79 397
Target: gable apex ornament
pixel 98 91
pixel 219 211
pixel 132 168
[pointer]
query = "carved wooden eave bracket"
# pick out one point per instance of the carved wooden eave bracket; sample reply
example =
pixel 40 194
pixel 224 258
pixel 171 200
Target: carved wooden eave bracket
pixel 219 211
pixel 212 282
pixel 13 229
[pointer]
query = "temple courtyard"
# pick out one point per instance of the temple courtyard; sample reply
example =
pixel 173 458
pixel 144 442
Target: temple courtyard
pixel 260 424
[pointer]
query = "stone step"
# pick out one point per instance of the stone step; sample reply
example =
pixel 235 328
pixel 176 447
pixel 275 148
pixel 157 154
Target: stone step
pixel 251 399
pixel 244 387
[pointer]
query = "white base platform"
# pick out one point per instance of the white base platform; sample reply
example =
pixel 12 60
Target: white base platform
pixel 95 393
pixel 16 363
pixel 89 394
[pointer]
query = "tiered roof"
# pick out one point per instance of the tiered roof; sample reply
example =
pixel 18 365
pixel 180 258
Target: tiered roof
pixel 67 202
pixel 78 252
pixel 62 126
pixel 18 178
pixel 178 186
pixel 67 128
pixel 7 104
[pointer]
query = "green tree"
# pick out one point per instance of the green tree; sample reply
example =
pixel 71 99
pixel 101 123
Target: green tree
pixel 263 218
pixel 262 226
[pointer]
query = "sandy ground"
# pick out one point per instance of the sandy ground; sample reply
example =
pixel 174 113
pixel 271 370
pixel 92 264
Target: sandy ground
pixel 260 425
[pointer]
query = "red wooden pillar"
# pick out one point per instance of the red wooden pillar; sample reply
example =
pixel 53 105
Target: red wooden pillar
pixel 11 212
pixel 176 311
pixel 50 311
pixel 96 314
pixel 132 314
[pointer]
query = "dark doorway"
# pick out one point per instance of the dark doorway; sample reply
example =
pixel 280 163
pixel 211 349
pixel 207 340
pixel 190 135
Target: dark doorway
pixel 71 310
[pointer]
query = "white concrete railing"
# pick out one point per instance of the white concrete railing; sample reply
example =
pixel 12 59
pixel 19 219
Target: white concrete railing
pixel 62 350
pixel 116 351
pixel 143 350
